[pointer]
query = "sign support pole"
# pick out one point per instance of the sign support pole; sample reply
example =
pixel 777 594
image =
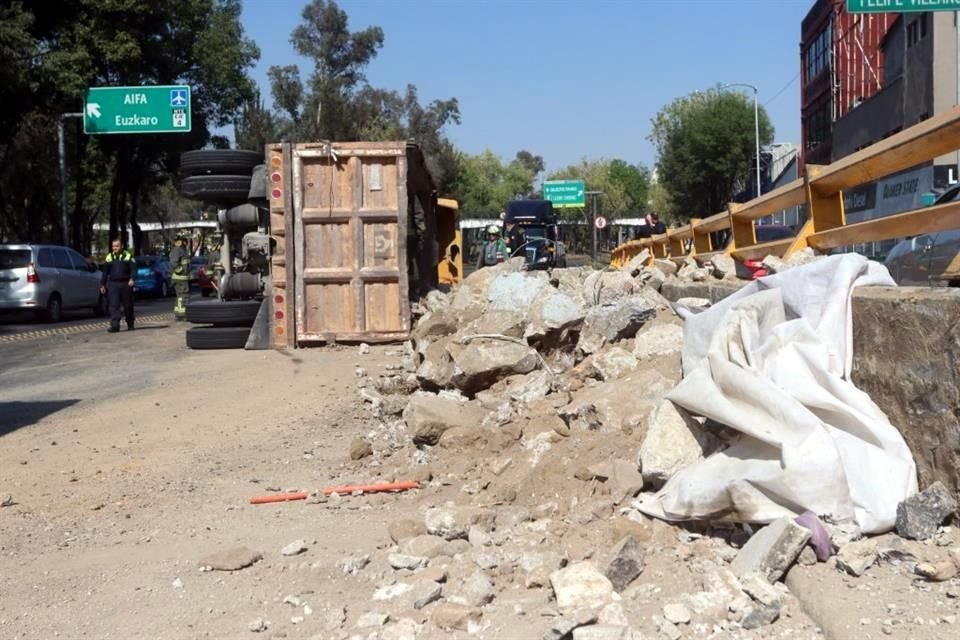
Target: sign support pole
pixel 62 147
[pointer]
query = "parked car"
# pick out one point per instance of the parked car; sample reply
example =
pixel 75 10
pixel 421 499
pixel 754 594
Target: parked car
pixel 766 233
pixel 48 279
pixel 195 263
pixel 205 281
pixel 153 276
pixel 924 260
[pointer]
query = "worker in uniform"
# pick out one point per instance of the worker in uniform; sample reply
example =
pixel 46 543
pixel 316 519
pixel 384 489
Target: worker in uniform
pixel 180 264
pixel 117 284
pixel 514 239
pixel 494 250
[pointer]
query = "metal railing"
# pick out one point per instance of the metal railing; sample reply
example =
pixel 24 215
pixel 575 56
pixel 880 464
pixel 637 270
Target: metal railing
pixel 821 190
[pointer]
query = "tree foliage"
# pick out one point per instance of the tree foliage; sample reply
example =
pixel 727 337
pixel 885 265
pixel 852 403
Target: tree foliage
pixel 485 184
pixel 55 55
pixel 624 187
pixel 337 103
pixel 706 146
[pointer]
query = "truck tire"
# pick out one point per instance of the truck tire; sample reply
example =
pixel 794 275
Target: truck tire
pixel 236 313
pixel 217 337
pixel 227 190
pixel 234 162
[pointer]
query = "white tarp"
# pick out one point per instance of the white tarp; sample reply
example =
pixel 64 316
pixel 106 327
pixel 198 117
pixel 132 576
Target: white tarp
pixel 772 362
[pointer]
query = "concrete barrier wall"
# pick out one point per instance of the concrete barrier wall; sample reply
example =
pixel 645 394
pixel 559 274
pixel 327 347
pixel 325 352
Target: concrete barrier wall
pixel 906 357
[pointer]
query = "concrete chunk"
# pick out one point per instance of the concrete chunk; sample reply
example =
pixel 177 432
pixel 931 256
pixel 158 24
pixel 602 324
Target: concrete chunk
pixel 581 585
pixel 772 550
pixel 627 564
pixel 920 515
pixel 673 442
pixel 484 362
pixel 428 416
pixel 618 320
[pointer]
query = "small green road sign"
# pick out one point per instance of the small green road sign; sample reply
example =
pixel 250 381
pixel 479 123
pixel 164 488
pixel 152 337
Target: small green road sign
pixel 565 193
pixel 164 109
pixel 901 6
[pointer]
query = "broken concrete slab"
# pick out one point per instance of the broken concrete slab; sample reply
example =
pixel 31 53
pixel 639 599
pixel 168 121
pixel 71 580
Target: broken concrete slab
pixel 614 363
pixel 581 585
pixel 439 323
pixel 920 515
pixel 482 363
pixel 512 324
pixel 436 371
pixel 552 313
pixel 772 550
pixel 608 323
pixel 657 340
pixel 427 416
pixel 607 287
pixel 723 267
pixel 230 559
pixel 615 405
pixel 512 291
pixel 674 441
pixel 856 557
pixel 627 564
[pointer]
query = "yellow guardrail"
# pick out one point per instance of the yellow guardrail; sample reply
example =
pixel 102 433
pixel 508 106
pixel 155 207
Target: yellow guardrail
pixel 821 190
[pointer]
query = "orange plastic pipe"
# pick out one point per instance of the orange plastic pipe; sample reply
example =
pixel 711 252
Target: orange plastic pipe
pixel 372 488
pixel 346 489
pixel 279 497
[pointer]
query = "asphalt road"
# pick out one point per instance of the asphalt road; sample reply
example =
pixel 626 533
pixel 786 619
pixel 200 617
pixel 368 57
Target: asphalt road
pixel 18 325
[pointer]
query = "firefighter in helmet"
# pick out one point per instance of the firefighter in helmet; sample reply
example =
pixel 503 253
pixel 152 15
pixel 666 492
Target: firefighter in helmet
pixel 180 264
pixel 494 250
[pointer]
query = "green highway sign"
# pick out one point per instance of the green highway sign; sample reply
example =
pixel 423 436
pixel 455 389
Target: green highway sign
pixel 149 109
pixel 565 193
pixel 901 6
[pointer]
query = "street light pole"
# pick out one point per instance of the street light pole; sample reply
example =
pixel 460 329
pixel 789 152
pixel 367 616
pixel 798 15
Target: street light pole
pixel 756 122
pixel 61 146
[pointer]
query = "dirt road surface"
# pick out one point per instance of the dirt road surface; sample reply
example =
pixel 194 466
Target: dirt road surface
pixel 128 460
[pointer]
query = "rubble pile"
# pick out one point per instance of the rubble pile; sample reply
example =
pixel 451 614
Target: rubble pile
pixel 532 408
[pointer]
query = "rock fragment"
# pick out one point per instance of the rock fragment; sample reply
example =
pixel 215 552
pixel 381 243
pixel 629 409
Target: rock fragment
pixel 772 550
pixel 920 515
pixel 295 548
pixel 627 564
pixel 581 585
pixel 233 559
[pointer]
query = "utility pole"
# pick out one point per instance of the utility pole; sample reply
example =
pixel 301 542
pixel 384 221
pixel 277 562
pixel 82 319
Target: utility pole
pixel 63 176
pixel 595 195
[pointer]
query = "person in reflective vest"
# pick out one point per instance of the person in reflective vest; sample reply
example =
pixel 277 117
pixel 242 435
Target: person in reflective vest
pixel 180 263
pixel 118 280
pixel 494 250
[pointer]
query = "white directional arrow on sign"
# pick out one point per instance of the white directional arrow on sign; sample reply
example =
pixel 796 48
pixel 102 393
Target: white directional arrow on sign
pixel 93 110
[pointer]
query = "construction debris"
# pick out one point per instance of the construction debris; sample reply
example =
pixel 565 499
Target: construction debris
pixel 919 516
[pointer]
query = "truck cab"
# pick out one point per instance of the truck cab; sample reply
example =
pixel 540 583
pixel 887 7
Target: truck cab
pixel 537 223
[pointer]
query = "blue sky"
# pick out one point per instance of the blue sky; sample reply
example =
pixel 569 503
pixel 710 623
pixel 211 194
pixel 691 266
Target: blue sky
pixel 564 79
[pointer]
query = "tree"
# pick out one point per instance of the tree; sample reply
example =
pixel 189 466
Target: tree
pixel 533 163
pixel 706 145
pixel 121 42
pixel 624 187
pixel 485 184
pixel 256 126
pixel 337 103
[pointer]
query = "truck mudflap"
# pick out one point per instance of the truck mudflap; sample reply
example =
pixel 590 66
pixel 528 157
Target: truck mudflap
pixel 260 337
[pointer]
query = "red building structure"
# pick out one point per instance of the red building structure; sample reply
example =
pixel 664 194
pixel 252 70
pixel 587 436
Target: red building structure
pixel 841 65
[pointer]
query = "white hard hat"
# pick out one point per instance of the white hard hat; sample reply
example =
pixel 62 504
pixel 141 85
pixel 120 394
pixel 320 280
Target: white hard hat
pixel 493 229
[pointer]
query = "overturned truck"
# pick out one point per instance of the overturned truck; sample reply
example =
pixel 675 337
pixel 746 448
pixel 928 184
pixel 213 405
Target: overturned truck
pixel 323 243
